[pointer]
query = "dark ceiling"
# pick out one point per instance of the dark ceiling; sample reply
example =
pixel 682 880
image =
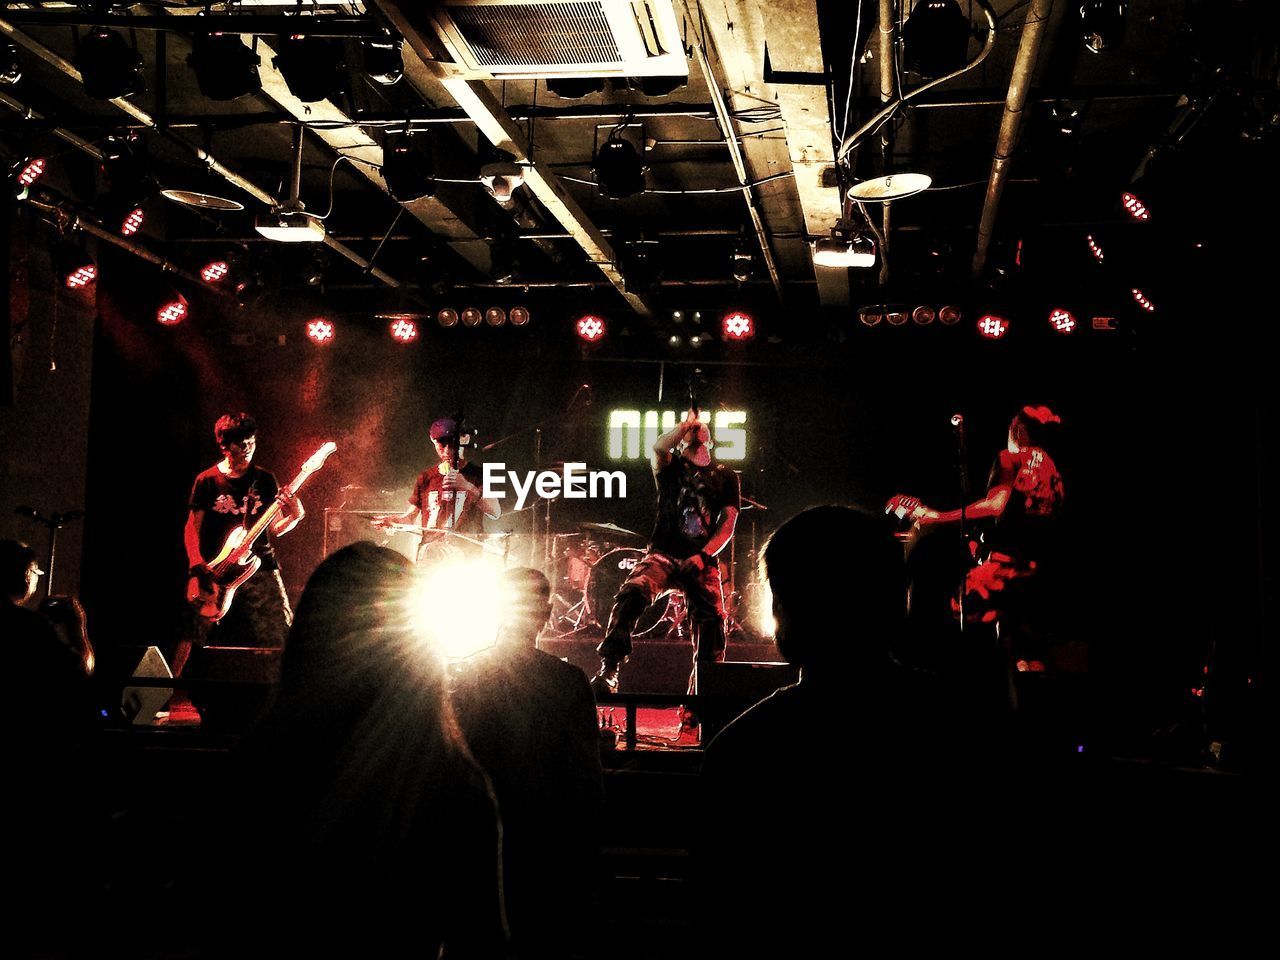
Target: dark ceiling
pixel 1193 81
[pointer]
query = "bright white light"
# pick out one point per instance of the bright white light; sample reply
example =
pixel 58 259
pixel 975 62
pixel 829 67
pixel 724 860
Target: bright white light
pixel 459 604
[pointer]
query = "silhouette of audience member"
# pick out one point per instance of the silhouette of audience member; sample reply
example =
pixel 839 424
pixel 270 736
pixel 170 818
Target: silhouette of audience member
pixel 820 799
pixel 370 830
pixel 530 720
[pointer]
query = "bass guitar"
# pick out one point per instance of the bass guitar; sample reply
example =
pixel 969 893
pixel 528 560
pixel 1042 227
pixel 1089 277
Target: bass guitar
pixel 210 596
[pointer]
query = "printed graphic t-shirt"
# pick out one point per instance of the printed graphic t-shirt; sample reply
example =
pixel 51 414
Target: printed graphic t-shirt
pixel 691 500
pixel 428 496
pixel 230 502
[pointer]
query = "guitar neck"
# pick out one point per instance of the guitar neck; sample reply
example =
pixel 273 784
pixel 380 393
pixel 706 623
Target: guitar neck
pixel 268 516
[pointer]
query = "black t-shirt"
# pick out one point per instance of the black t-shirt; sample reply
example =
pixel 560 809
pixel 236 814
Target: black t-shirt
pixel 229 502
pixel 427 494
pixel 1028 526
pixel 691 500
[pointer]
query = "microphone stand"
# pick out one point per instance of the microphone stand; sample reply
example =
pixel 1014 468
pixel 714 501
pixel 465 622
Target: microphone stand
pixel 53 524
pixel 957 422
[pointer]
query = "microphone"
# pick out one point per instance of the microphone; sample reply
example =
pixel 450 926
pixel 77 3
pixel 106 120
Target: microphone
pixel 957 421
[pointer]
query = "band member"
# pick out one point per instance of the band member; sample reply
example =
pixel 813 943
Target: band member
pixel 447 499
pixel 1022 505
pixel 233 493
pixel 698 503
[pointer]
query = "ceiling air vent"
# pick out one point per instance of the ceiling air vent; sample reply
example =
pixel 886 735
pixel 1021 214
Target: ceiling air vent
pixel 513 39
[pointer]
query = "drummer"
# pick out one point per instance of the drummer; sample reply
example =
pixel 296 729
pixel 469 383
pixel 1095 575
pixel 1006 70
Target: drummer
pixel 448 501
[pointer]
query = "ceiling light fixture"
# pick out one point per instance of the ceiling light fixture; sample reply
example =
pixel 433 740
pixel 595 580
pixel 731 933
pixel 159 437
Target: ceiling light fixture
pixel 1102 24
pixel 225 68
pixel 501 179
pixel 288 222
pixel 407 167
pixel 109 67
pixel 383 60
pixel 618 167
pixel 314 68
pixel 935 38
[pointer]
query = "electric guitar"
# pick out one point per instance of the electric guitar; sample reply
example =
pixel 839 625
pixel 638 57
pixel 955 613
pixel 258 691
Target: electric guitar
pixel 211 596
pixel 905 508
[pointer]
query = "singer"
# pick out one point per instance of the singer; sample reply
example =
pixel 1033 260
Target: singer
pixel 1017 545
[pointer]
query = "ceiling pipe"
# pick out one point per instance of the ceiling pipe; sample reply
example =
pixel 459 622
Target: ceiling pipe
pixel 887 93
pixel 725 121
pixel 209 160
pixel 1033 36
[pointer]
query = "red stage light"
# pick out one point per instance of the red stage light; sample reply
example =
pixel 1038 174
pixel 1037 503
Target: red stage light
pixel 495 316
pixel 404 330
pixel 1141 299
pixel 32 172
pixel 173 312
pixel 447 317
pixel 738 326
pixel 950 315
pixel 82 276
pixel 1062 320
pixel 590 328
pixel 133 222
pixel 1134 206
pixel 471 316
pixel 1095 248
pixel 214 271
pixel 519 316
pixel 993 327
pixel 320 331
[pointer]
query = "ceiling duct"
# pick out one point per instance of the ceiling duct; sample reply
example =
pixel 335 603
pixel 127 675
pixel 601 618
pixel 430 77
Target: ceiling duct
pixel 533 39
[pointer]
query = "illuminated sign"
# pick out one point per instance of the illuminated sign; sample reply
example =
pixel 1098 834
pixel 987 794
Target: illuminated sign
pixel 632 433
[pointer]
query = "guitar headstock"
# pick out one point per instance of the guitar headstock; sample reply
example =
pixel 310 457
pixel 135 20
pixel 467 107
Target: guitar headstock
pixel 317 459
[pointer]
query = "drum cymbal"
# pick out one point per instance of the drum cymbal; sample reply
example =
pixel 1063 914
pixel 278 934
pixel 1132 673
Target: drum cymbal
pixel 609 528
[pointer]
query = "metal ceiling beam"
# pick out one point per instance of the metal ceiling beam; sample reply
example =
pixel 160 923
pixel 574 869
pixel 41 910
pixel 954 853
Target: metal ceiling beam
pixel 495 124
pixel 795 49
pixel 60 64
pixel 1033 35
pixel 271 25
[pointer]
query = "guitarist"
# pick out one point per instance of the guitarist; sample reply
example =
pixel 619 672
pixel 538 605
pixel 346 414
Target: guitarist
pixel 447 496
pixel 234 492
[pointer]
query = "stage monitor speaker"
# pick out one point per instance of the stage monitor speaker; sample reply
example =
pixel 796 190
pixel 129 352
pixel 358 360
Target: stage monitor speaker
pixel 141 704
pixel 232 686
pixel 734 686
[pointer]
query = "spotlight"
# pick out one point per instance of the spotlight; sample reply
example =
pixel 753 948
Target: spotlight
pixel 675 341
pixel 870 318
pixel 1134 206
pixel 81 276
pixel 313 67
pixel 321 331
pixel 590 328
pixel 1142 300
pixel 897 318
pixel 575 88
pixel 215 271
pixel 697 340
pixel 403 330
pixel 447 317
pixel 738 326
pixel 949 315
pixel 845 250
pixel 25 173
pixel 313 266
pixel 383 62
pixel 225 68
pixel 935 38
pixel 75 265
pixel 10 65
pixel 471 317
pixel 459 606
pixel 923 315
pixel 495 316
pixel 993 327
pixel 408 171
pixel 127 181
pixel 502 179
pixel 1095 248
pixel 109 67
pixel 639 265
pixel 742 263
pixel 1062 320
pixel 619 169
pixel 519 317
pixel 1102 24
pixel 132 222
pixel 173 310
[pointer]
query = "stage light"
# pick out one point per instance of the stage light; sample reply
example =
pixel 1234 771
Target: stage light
pixel 1142 300
pixel 173 310
pixel 1095 248
pixel 313 67
pixel 320 331
pixel 845 250
pixel 81 276
pixel 25 173
pixel 618 168
pixel 225 68
pixel 403 330
pixel 741 263
pixel 458 606
pixel 675 341
pixel 950 315
pixel 519 316
pixel 109 67
pixel 132 222
pixel 590 328
pixel 993 327
pixel 495 316
pixel 1135 207
pixel 383 61
pixel 575 88
pixel 870 318
pixel 471 316
pixel 897 318
pixel 738 326
pixel 923 315
pixel 215 271
pixel 697 340
pixel 1062 320
pixel 1102 24
pixel 662 86
pixel 502 179
pixel 447 317
pixel 935 38
pixel 10 65
pixel 407 169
